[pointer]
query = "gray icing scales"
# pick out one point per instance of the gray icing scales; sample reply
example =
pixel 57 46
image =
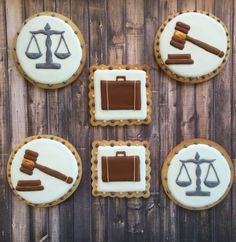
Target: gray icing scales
pixel 49 64
pixel 198 171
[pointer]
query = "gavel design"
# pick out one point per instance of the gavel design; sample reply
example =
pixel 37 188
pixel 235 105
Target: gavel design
pixel 29 164
pixel 181 36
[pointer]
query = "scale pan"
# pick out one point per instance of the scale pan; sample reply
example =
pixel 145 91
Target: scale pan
pixel 32 55
pixel 62 55
pixel 183 183
pixel 211 183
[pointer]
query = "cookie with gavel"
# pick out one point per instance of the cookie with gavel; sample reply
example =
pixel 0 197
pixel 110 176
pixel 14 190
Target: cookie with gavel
pixel 29 164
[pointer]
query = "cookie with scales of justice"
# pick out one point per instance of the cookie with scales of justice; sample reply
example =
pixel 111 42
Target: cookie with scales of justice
pixel 44 170
pixel 192 46
pixel 197 174
pixel 49 50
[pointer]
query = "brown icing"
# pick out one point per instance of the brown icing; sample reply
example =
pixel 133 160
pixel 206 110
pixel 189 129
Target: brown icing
pixel 121 94
pixel 29 188
pixel 28 165
pixel 181 29
pixel 183 25
pixel 177 39
pixel 31 153
pixel 181 33
pixel 178 61
pixel 120 168
pixel 205 46
pixel 179 56
pixel 30 157
pixel 27 171
pixel 29 183
pixel 54 173
pixel 177 44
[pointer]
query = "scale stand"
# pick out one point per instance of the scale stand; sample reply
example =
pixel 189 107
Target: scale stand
pixel 198 191
pixel 49 64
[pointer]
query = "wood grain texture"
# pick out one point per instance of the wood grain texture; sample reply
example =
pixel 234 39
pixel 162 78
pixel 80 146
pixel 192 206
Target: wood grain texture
pixel 116 32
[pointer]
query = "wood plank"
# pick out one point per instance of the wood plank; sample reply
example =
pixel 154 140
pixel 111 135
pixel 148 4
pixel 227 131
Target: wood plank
pixel 98 55
pixel 37 124
pixel 18 116
pixel 80 122
pixel 186 129
pixel 222 123
pixel 166 116
pixel 233 126
pixel 53 231
pixel 116 55
pixel 5 131
pixel 204 112
pixel 134 55
pixel 65 110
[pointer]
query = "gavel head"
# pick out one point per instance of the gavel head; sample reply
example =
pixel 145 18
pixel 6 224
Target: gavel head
pixel 180 34
pixel 28 162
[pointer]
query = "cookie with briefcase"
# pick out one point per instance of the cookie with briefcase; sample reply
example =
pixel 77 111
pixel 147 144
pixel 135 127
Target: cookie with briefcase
pixel 121 94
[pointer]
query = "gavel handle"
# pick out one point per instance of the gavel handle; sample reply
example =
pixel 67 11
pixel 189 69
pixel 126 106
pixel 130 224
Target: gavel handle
pixel 54 173
pixel 205 46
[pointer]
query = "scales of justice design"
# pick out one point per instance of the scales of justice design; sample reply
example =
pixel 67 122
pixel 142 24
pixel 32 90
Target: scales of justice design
pixel 49 63
pixel 197 174
pixel 198 161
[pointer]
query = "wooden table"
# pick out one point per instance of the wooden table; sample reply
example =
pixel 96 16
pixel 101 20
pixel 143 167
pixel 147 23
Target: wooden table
pixel 116 31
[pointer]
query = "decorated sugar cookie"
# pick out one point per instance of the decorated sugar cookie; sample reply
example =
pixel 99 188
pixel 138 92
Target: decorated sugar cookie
pixel 121 169
pixel 49 50
pixel 44 170
pixel 120 95
pixel 197 174
pixel 192 46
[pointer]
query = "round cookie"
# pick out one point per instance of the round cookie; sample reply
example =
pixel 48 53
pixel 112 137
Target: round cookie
pixel 49 50
pixel 44 170
pixel 197 174
pixel 192 46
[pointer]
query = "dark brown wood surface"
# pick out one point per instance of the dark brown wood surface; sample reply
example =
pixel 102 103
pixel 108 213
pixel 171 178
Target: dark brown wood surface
pixel 115 31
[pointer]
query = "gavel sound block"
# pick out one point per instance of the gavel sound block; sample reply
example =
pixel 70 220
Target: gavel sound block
pixel 181 36
pixel 29 164
pixel 29 185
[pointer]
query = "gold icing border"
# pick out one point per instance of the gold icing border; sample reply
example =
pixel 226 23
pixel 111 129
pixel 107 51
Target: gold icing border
pixel 96 144
pixel 181 146
pixel 189 80
pixel 83 46
pixel 103 123
pixel 52 137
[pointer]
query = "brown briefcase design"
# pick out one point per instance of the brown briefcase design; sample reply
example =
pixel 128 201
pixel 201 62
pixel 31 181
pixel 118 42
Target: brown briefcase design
pixel 120 167
pixel 121 94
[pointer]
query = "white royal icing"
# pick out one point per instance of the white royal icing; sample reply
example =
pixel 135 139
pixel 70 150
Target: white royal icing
pixel 203 28
pixel 52 154
pixel 122 186
pixel 68 66
pixel 111 75
pixel 221 167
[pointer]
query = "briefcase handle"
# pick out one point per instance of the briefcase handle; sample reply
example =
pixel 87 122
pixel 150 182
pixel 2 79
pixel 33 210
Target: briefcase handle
pixel 120 78
pixel 120 153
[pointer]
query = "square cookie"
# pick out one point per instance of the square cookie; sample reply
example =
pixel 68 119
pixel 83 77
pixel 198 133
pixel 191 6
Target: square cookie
pixel 120 95
pixel 121 169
